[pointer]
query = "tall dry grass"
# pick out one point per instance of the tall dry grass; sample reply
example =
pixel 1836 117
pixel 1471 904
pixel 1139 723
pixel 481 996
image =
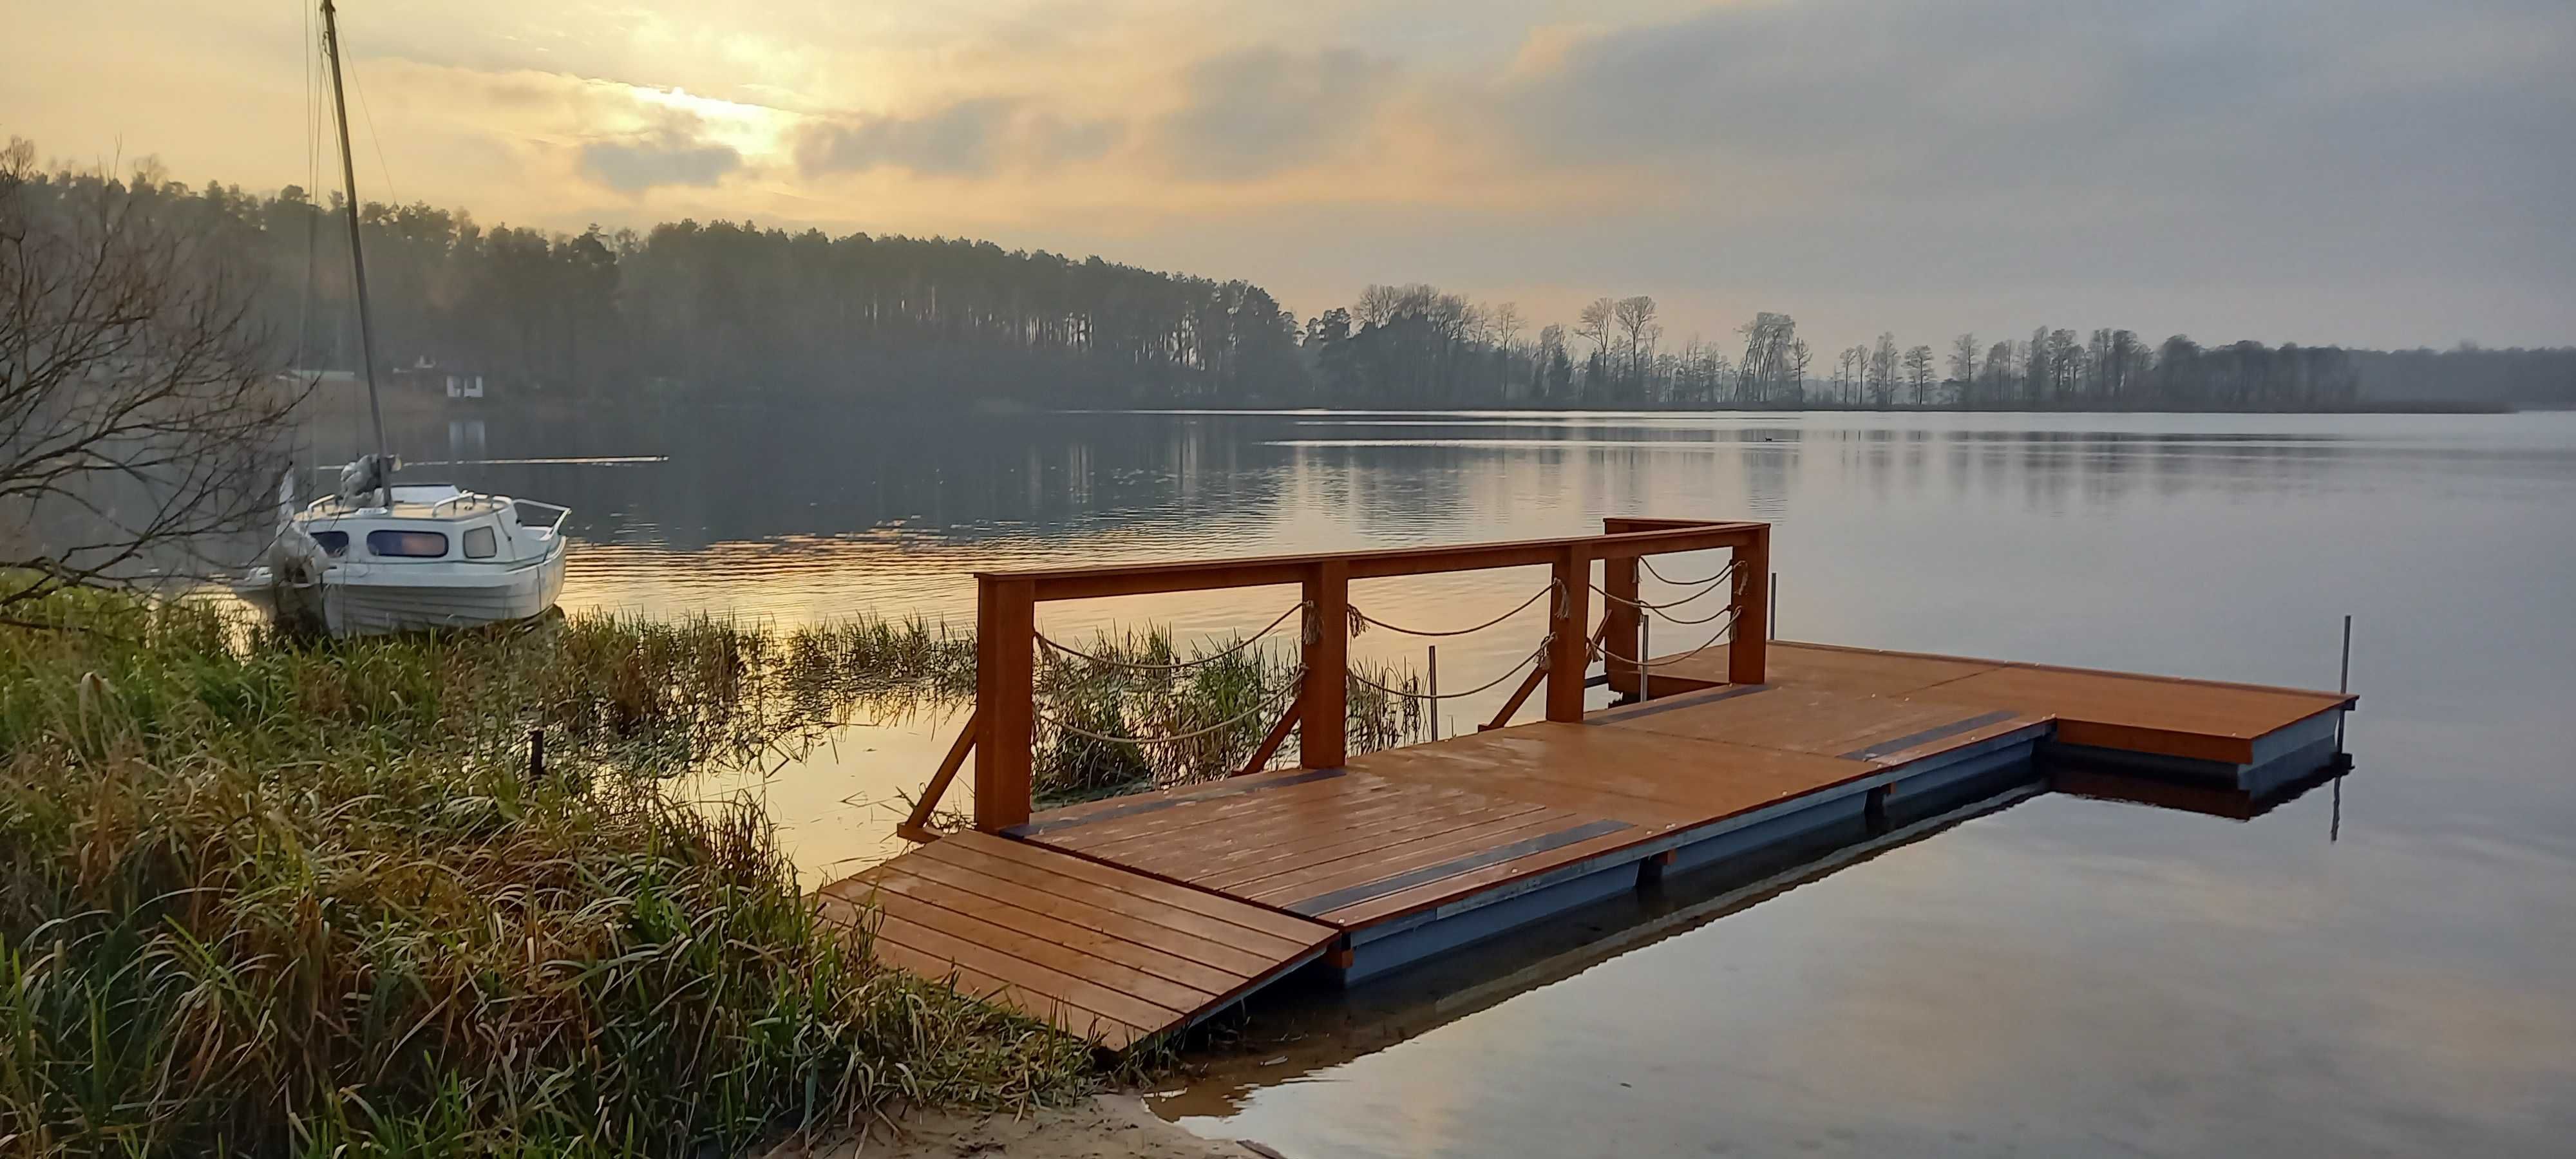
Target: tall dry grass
pixel 264 900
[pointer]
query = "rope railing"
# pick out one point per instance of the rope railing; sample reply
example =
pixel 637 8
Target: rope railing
pixel 1175 666
pixel 1602 649
pixel 1295 681
pixel 1359 618
pixel 1613 597
pixel 1539 654
pixel 1670 618
pixel 1722 573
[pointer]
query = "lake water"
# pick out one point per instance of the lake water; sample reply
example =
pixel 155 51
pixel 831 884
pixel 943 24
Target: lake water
pixel 2383 966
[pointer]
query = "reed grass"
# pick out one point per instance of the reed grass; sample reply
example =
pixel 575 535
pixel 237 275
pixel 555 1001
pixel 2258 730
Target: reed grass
pixel 257 899
pixel 1184 719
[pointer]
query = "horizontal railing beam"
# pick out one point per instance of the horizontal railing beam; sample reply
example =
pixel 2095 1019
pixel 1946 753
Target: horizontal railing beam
pixel 1139 579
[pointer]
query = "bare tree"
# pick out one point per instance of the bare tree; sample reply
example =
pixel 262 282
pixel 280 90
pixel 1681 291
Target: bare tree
pixel 1594 323
pixel 1963 364
pixel 1770 342
pixel 1882 370
pixel 140 413
pixel 1505 322
pixel 1636 319
pixel 1918 371
pixel 1377 304
pixel 1999 372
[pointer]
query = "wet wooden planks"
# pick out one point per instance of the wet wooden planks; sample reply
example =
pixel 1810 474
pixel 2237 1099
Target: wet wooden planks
pixel 2164 715
pixel 1396 832
pixel 1324 845
pixel 1097 951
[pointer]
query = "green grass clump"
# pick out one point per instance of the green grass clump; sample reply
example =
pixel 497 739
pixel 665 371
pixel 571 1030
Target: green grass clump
pixel 258 899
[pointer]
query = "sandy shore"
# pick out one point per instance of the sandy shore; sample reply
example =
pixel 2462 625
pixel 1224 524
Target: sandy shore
pixel 1111 1126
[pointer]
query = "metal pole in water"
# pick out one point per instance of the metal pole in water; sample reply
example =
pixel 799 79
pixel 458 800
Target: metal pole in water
pixel 1434 702
pixel 2343 681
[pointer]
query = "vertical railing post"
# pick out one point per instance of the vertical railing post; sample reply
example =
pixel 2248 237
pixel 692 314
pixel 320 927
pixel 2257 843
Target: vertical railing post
pixel 1621 619
pixel 1005 699
pixel 1322 715
pixel 1569 650
pixel 1747 653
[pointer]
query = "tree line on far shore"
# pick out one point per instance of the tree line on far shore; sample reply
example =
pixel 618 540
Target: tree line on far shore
pixel 726 312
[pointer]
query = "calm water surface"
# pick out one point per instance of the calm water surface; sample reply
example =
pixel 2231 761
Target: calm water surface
pixel 2387 966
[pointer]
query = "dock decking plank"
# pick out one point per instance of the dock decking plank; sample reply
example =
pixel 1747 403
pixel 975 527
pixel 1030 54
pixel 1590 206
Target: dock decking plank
pixel 1357 794
pixel 1213 874
pixel 1208 981
pixel 1241 937
pixel 1072 1018
pixel 1215 955
pixel 1034 977
pixel 2209 720
pixel 1096 950
pixel 1282 889
pixel 1276 925
pixel 1196 851
pixel 987 928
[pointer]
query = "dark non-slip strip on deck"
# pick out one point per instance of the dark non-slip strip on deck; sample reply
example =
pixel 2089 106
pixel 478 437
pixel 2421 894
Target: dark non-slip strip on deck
pixel 1033 828
pixel 1669 703
pixel 1927 736
pixel 1324 903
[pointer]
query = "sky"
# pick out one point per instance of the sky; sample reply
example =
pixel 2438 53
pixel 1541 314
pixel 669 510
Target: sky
pixel 2366 172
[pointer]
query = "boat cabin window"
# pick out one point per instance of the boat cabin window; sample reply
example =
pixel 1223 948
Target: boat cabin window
pixel 407 544
pixel 479 543
pixel 333 543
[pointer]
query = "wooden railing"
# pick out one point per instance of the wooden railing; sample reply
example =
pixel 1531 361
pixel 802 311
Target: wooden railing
pixel 999 734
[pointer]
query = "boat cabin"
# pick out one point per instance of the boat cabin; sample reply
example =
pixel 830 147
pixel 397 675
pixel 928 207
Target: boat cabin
pixel 427 524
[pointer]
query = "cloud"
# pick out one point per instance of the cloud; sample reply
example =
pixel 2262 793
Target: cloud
pixel 1259 111
pixel 969 138
pixel 670 153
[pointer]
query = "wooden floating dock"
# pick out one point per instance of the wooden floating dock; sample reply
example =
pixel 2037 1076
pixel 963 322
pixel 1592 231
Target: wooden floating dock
pixel 1123 919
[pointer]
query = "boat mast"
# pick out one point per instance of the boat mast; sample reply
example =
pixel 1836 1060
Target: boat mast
pixel 357 256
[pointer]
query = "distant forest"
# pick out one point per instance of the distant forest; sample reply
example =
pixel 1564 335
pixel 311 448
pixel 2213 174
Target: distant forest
pixel 724 312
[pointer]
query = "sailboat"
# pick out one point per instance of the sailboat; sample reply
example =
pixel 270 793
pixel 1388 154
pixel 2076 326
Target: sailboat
pixel 379 557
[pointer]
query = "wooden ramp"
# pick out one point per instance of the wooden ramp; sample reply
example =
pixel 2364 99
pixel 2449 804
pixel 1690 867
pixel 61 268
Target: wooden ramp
pixel 1099 952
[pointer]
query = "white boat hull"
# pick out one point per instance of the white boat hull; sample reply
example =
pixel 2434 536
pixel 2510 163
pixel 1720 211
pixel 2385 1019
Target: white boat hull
pixel 370 600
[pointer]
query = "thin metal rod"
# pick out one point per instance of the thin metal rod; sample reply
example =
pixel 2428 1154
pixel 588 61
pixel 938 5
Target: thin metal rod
pixel 357 256
pixel 2343 681
pixel 1772 625
pixel 1645 653
pixel 1435 691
